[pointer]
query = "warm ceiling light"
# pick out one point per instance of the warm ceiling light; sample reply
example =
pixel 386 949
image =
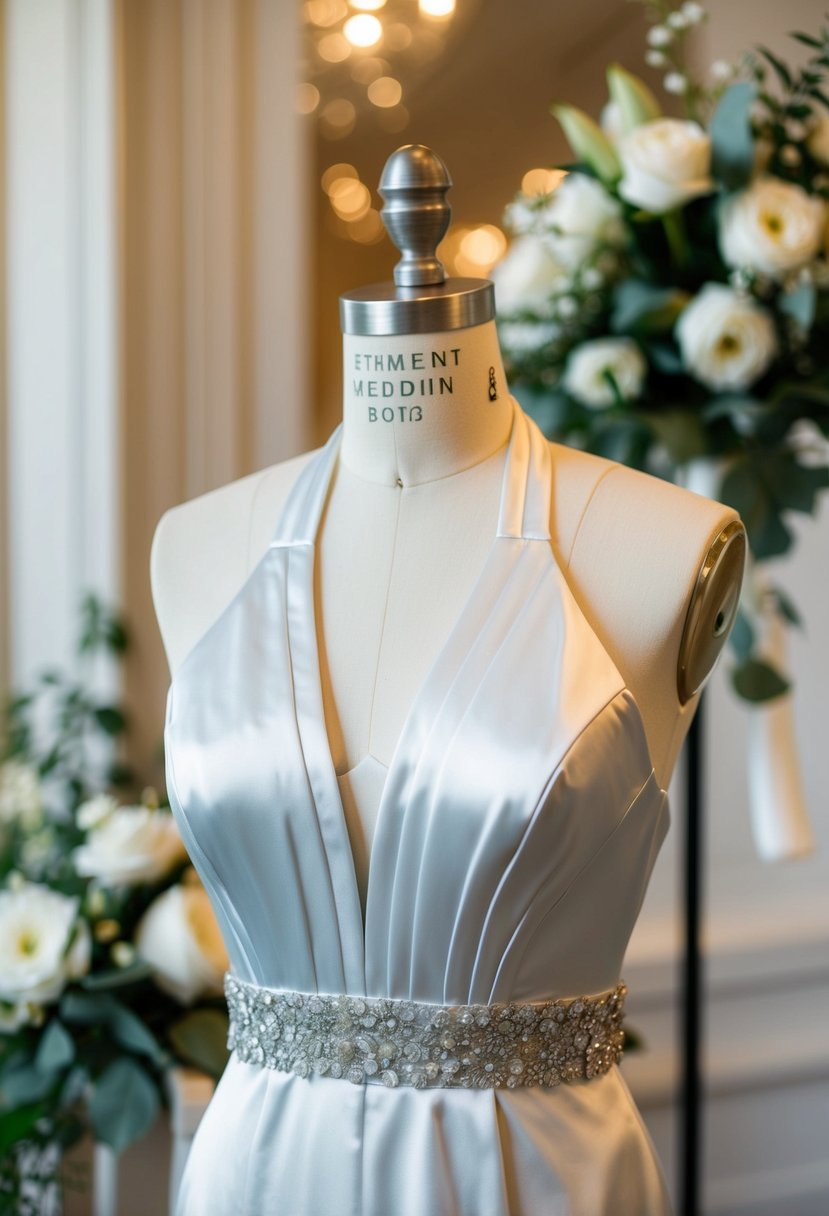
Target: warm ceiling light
pixel 483 246
pixel 437 8
pixel 369 229
pixel 541 181
pixel 334 48
pixel 307 98
pixel 368 68
pixel 335 173
pixel 351 199
pixel 338 118
pixel 368 5
pixel 397 37
pixel 363 30
pixel 325 12
pixel 385 92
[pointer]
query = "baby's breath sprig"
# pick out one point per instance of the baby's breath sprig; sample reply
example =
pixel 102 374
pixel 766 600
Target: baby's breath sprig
pixel 671 25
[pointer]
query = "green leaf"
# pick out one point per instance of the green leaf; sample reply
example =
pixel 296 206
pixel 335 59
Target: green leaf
pixel 742 635
pixel 130 1032
pixel 756 680
pixel 761 485
pixel 681 433
pixel 17 1125
pixel 640 307
pixel 124 1104
pixel 200 1038
pixel 85 1008
pixel 800 304
pixel 636 103
pixel 786 608
pixel 779 66
pixel 56 1049
pixel 806 39
pixel 665 358
pixel 118 977
pixel 732 141
pixel 125 1028
pixel 23 1084
pixel 110 719
pixel 588 141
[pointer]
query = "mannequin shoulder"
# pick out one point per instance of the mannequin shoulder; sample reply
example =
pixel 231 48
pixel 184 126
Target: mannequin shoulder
pixel 658 566
pixel 203 550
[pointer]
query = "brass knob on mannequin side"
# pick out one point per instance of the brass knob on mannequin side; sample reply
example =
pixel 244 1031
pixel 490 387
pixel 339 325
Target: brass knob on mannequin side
pixel 421 299
pixel 713 607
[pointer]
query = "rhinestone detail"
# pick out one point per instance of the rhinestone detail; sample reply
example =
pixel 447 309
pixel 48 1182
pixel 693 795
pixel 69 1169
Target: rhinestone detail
pixel 388 1041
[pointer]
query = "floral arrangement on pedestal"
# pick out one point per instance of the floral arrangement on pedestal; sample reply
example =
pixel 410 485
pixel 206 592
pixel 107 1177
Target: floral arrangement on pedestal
pixel 111 961
pixel 667 300
pixel 665 303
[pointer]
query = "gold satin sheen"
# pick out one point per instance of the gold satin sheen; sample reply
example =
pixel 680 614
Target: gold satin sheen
pixel 516 834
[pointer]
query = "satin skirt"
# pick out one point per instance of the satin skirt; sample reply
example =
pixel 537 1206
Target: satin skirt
pixel 275 1144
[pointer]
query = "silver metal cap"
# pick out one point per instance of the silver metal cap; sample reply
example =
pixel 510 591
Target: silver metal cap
pixel 414 184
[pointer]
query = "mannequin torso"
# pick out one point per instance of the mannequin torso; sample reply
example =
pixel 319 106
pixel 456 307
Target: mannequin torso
pixel 395 562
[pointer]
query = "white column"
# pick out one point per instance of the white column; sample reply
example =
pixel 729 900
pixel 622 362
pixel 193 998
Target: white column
pixel 283 202
pixel 62 323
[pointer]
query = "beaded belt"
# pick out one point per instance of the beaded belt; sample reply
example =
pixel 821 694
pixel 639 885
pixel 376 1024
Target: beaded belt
pixel 400 1042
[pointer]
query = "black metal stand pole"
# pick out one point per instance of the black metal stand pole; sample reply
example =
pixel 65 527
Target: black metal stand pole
pixel 690 1115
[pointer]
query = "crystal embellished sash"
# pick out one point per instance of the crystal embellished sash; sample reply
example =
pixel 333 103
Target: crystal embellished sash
pixel 400 1042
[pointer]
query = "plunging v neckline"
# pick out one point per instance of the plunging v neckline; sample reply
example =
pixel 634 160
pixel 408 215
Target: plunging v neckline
pixel 304 519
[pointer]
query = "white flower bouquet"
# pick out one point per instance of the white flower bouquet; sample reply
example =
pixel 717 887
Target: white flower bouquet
pixel 111 960
pixel 665 300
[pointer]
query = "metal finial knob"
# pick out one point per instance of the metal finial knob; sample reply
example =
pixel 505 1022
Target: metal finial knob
pixel 413 185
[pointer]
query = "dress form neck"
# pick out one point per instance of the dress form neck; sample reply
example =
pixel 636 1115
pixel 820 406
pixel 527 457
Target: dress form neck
pixel 420 407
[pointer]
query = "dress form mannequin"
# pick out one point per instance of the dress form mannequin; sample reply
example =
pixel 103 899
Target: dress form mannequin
pixel 426 420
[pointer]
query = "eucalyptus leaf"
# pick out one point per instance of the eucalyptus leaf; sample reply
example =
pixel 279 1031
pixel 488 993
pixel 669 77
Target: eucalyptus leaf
pixel 624 439
pixel 680 432
pixel 742 636
pixel 786 608
pixel 123 1105
pixel 128 1030
pixel 56 1049
pixel 665 358
pixel 200 1038
pixel 117 977
pixel 756 680
pixel 642 308
pixel 23 1084
pixel 732 141
pixel 86 1008
pixel 799 304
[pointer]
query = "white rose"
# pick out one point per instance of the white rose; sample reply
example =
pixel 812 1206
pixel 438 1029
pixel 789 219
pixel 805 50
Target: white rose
pixel 95 810
pixel 36 926
pixel 664 164
pixel 727 340
pixel 133 844
pixel 524 279
pixel 772 227
pixel 817 140
pixel 179 937
pixel 521 337
pixel 21 798
pixel 584 375
pixel 580 215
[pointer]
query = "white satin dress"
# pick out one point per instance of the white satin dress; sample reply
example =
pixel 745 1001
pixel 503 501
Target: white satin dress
pixel 516 833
